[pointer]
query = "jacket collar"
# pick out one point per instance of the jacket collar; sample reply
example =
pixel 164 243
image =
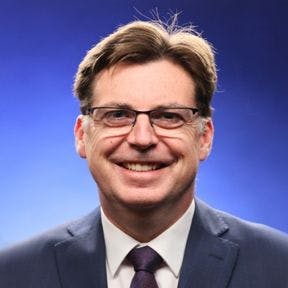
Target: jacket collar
pixel 81 258
pixel 209 259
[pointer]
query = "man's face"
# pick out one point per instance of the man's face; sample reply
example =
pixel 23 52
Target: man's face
pixel 141 169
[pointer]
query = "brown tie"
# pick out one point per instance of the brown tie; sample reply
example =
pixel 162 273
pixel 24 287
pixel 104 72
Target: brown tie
pixel 145 261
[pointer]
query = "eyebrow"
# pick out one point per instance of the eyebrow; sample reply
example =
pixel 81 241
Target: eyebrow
pixel 116 105
pixel 128 106
pixel 172 105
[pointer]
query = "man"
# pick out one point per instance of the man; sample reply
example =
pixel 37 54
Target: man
pixel 146 124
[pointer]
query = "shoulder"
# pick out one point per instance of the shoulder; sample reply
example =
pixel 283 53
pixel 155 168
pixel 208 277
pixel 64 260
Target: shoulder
pixel 255 234
pixel 255 239
pixel 37 255
pixel 37 245
pixel 261 251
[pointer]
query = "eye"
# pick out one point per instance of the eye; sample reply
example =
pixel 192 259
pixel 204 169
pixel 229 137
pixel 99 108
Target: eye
pixel 167 118
pixel 118 117
pixel 117 114
pixel 171 116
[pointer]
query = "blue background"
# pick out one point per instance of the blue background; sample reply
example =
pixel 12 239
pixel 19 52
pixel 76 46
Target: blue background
pixel 44 182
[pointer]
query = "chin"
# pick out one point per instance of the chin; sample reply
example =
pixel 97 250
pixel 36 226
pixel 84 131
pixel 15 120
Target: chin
pixel 144 200
pixel 143 206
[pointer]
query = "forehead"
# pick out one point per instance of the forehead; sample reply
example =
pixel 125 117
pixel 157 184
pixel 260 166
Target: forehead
pixel 144 86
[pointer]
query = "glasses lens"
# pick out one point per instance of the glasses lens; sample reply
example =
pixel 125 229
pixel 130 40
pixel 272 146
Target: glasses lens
pixel 171 118
pixel 114 117
pixel 114 121
pixel 119 121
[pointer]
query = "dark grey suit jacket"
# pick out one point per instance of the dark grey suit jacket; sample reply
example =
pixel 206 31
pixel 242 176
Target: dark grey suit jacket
pixel 222 251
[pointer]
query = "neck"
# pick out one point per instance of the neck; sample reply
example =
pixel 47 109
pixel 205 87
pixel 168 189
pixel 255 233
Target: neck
pixel 144 224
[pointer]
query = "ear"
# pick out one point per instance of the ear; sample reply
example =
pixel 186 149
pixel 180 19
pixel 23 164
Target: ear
pixel 206 139
pixel 79 134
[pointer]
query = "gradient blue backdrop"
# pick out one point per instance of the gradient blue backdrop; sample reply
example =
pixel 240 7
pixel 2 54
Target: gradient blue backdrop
pixel 44 183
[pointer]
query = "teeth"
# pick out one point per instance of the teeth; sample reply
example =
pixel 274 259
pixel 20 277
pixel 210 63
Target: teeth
pixel 141 167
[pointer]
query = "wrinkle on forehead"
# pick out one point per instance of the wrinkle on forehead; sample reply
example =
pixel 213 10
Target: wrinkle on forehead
pixel 160 82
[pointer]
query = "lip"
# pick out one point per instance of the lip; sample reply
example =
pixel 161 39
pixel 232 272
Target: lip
pixel 139 176
pixel 142 167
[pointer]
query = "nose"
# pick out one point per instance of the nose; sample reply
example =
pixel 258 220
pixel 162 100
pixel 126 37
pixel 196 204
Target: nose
pixel 142 135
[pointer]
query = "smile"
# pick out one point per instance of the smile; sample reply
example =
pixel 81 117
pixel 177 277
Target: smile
pixel 142 167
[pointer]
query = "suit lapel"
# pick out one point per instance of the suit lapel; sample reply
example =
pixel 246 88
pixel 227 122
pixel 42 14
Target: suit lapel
pixel 209 259
pixel 81 259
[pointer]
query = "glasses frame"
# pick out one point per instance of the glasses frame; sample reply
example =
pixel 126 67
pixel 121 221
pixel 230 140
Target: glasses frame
pixel 89 111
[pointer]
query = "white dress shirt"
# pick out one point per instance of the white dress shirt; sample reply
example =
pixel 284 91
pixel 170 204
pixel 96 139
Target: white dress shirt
pixel 170 245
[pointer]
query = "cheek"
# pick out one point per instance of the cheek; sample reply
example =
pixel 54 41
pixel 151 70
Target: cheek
pixel 90 144
pixel 98 145
pixel 193 142
pixel 185 143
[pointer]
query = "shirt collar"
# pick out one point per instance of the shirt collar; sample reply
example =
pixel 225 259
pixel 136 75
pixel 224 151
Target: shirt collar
pixel 118 244
pixel 170 244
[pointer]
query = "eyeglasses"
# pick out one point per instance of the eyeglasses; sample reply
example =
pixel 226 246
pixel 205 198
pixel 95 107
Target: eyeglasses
pixel 123 119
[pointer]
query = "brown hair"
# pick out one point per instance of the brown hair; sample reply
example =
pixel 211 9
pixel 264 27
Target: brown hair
pixel 143 41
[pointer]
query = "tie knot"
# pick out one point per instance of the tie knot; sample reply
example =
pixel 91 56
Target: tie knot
pixel 144 259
